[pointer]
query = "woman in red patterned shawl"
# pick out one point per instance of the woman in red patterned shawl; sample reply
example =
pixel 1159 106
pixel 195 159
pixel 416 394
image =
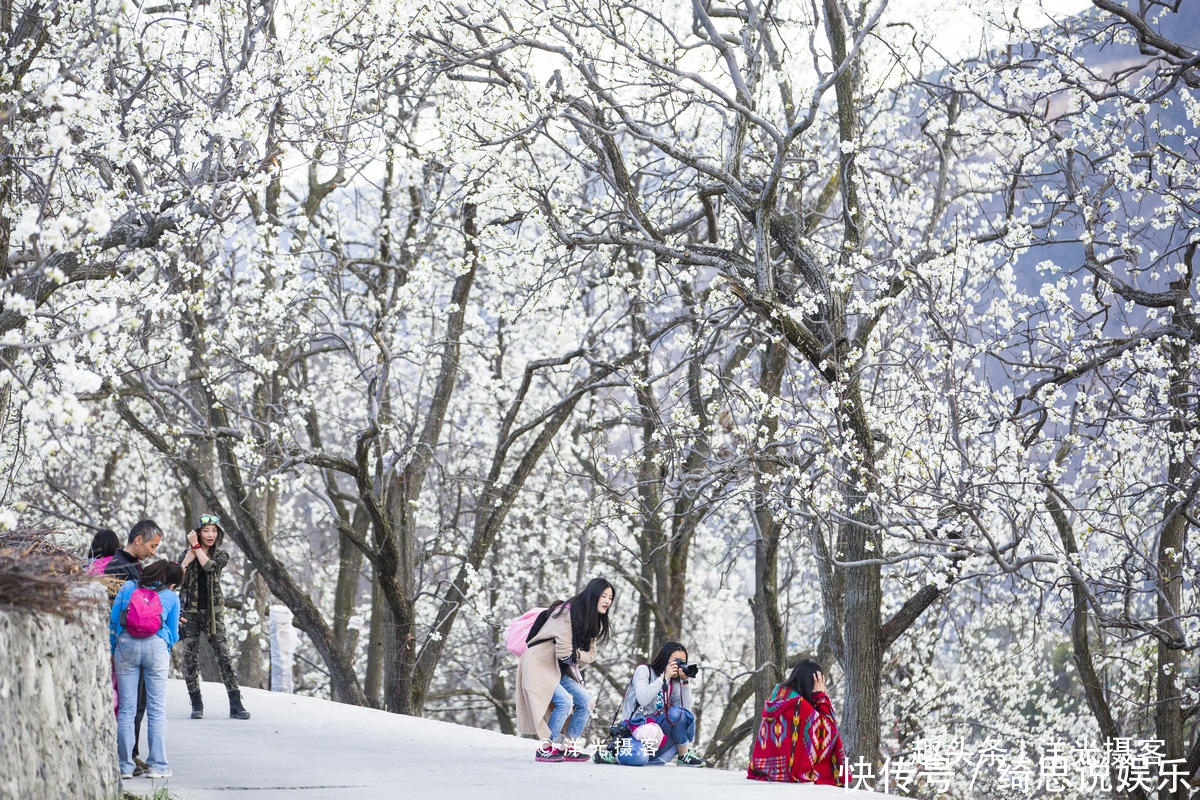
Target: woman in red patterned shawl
pixel 798 739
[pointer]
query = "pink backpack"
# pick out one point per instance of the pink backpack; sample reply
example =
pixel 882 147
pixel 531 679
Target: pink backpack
pixel 98 564
pixel 143 616
pixel 516 638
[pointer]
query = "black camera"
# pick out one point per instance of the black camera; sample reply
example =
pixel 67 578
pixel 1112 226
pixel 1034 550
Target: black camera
pixel 687 669
pixel 619 730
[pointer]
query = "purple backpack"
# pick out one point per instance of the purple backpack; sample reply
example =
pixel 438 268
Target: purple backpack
pixel 142 618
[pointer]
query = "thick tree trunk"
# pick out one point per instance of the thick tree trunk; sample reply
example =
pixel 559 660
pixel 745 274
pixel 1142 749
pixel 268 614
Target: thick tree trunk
pixel 862 633
pixel 504 717
pixel 404 693
pixel 862 638
pixel 769 653
pixel 650 633
pixel 499 687
pixel 250 664
pixel 769 648
pixel 399 654
pixel 250 667
pixel 345 596
pixel 1168 711
pixel 672 599
pixel 375 648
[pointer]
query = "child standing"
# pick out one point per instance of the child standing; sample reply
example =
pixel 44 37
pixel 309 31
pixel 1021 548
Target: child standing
pixel 204 613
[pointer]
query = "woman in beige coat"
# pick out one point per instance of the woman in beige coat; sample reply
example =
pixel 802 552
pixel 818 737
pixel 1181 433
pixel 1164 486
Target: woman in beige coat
pixel 549 684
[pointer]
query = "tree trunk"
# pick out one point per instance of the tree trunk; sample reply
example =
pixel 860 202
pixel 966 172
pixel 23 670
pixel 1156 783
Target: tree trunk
pixel 641 630
pixel 394 520
pixel 862 632
pixel 399 656
pixel 1168 711
pixel 769 650
pixel 345 597
pixel 1093 689
pixel 375 648
pixel 769 653
pixel 499 688
pixel 251 671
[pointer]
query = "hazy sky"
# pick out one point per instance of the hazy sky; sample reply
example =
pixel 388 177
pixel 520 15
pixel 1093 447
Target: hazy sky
pixel 956 28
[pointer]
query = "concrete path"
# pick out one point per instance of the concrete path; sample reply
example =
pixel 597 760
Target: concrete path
pixel 300 748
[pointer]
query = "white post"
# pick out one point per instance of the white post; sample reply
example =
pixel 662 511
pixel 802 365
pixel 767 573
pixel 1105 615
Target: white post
pixel 283 648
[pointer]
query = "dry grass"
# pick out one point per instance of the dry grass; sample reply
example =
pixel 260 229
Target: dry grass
pixel 36 575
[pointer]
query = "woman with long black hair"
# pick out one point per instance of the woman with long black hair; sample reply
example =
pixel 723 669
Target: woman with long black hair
pixel 549 684
pixel 798 739
pixel 204 613
pixel 660 692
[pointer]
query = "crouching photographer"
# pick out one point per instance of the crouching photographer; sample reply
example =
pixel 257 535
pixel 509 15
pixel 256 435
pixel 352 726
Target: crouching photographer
pixel 658 709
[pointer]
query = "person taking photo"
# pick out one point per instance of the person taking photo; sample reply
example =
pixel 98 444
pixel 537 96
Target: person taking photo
pixel 660 693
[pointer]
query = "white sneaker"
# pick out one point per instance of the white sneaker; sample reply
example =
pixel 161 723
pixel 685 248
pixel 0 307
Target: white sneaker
pixel 153 774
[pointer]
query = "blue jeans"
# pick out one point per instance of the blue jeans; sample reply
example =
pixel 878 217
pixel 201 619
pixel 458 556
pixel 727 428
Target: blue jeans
pixel 148 659
pixel 568 693
pixel 678 726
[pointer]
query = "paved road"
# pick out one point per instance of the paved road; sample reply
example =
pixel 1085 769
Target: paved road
pixel 300 748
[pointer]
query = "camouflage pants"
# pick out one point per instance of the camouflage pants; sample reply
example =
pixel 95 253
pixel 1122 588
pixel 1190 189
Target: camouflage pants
pixel 195 627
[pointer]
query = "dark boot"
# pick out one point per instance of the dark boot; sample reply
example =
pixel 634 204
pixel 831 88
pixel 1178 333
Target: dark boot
pixel 236 710
pixel 197 705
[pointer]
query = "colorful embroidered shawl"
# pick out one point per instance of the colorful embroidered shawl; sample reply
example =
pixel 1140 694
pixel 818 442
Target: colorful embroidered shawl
pixel 797 742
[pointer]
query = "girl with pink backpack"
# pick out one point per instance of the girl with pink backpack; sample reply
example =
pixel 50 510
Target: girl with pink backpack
pixel 550 691
pixel 143 627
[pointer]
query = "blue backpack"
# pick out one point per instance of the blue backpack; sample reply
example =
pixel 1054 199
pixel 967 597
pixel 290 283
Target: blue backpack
pixel 632 753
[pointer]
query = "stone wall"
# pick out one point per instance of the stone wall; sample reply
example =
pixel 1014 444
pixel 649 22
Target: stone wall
pixel 58 735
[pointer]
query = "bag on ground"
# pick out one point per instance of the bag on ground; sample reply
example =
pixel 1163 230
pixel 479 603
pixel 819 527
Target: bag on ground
pixel 523 628
pixel 142 618
pixel 632 753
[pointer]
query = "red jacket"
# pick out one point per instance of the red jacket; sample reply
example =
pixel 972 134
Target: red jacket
pixel 797 741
